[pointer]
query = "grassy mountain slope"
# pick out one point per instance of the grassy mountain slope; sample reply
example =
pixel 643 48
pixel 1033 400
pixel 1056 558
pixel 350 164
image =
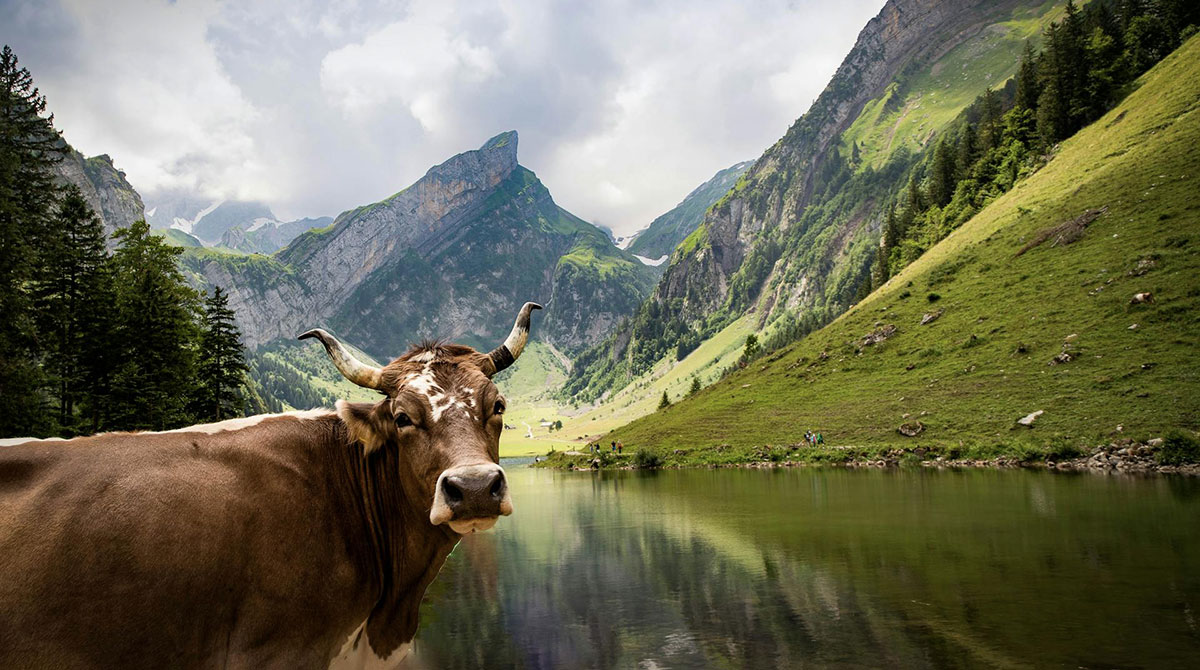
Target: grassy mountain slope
pixel 912 110
pixel 986 361
pixel 667 231
pixel 796 235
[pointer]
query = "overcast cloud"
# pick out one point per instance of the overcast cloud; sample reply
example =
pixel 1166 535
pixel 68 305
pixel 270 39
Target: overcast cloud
pixel 315 107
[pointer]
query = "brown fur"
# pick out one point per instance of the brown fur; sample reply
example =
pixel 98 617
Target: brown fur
pixel 259 547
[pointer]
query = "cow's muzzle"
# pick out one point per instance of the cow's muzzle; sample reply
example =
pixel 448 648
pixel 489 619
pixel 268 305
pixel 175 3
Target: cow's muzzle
pixel 470 498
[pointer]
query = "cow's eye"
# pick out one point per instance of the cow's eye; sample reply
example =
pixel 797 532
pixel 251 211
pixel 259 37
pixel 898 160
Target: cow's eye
pixel 402 420
pixel 498 408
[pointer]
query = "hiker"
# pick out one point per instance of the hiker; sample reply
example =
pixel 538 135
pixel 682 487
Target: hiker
pixel 820 439
pixel 614 446
pixel 620 446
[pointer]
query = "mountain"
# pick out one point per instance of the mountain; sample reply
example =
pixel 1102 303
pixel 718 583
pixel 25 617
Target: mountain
pixel 795 237
pixel 228 214
pixel 667 231
pixel 247 226
pixel 1076 295
pixel 267 235
pixel 453 255
pixel 104 187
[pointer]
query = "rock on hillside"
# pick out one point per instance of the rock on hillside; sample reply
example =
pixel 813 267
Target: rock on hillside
pixel 454 255
pixel 103 186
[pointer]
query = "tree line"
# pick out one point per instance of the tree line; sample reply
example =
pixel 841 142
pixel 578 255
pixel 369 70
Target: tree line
pixel 1087 64
pixel 92 339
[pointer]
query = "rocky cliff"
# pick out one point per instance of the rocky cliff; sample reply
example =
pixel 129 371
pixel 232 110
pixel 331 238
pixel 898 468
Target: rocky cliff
pixel 454 255
pixel 103 186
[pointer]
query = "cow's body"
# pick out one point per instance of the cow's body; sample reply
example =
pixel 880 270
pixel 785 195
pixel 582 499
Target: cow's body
pixel 253 543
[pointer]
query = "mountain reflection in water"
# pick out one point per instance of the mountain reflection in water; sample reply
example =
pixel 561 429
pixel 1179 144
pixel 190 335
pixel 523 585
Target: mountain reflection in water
pixel 811 568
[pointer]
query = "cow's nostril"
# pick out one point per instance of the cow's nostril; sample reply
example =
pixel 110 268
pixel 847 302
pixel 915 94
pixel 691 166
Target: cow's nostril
pixel 497 487
pixel 453 493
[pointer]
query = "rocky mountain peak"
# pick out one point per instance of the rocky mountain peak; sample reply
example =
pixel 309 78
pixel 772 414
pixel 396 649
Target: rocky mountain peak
pixel 486 166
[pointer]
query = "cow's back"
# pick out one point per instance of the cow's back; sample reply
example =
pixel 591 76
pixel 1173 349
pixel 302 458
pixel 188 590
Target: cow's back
pixel 166 550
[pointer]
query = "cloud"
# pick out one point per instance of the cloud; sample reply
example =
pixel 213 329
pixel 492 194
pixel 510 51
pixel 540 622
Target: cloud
pixel 623 107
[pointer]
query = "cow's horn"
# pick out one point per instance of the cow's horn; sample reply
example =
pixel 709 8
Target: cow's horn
pixel 506 354
pixel 360 373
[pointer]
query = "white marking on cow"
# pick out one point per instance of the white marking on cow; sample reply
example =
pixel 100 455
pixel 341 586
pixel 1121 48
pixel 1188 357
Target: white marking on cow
pixel 356 653
pixel 14 441
pixel 424 357
pixel 424 383
pixel 250 421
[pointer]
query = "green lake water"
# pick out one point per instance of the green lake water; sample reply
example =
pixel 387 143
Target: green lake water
pixel 825 568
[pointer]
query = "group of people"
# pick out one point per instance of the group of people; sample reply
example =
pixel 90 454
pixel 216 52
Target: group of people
pixel 813 438
pixel 616 447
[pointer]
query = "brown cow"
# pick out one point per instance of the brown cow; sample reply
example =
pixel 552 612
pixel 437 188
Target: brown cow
pixel 302 540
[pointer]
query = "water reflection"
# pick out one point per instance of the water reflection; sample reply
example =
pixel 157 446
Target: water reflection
pixel 824 568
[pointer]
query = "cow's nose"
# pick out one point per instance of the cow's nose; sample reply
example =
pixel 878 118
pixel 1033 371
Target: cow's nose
pixel 471 492
pixel 474 490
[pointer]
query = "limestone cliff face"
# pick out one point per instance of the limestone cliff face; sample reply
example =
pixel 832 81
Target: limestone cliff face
pixel 773 194
pixel 104 188
pixel 453 256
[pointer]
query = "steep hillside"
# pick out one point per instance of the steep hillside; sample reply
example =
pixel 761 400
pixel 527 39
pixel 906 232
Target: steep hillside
pixel 454 255
pixel 796 235
pixel 666 232
pixel 104 188
pixel 1028 307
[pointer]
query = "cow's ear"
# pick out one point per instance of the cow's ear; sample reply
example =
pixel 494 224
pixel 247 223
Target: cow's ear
pixel 367 422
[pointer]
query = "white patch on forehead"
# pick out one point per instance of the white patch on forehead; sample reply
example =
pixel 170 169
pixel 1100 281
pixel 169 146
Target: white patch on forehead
pixel 356 653
pixel 424 357
pixel 250 421
pixel 439 400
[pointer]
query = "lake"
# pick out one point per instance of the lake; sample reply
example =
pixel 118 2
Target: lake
pixel 825 568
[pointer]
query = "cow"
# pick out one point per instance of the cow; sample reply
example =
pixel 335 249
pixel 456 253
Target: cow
pixel 299 540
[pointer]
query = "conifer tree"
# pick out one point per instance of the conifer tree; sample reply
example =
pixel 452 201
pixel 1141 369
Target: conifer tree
pixel 72 303
pixel 665 402
pixel 942 175
pixel 695 388
pixel 222 364
pixel 155 335
pixel 29 149
pixel 1028 87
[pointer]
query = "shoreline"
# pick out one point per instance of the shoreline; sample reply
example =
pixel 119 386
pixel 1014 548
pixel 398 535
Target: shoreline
pixel 1123 457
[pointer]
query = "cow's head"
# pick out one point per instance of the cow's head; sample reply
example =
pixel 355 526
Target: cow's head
pixel 443 415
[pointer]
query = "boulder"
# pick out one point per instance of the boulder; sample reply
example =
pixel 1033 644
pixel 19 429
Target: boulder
pixel 1028 419
pixel 911 428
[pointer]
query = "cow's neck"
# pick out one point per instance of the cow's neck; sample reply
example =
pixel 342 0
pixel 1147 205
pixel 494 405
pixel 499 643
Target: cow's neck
pixel 397 550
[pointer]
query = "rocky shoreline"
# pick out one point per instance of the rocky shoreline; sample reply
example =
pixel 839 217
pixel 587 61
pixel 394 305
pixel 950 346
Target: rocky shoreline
pixel 1122 456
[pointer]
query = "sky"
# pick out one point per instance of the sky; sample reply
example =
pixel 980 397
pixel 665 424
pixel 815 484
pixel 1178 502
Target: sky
pixel 622 107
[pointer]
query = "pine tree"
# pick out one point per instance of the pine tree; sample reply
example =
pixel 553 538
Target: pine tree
pixel 29 149
pixel 695 388
pixel 222 364
pixel 155 335
pixel 942 175
pixel 1028 87
pixel 72 303
pixel 665 402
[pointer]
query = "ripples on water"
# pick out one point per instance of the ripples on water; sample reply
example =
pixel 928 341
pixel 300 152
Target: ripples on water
pixel 812 568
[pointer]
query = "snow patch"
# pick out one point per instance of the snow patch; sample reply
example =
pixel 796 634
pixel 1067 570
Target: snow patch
pixel 650 261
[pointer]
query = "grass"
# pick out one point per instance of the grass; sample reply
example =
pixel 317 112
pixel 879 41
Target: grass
pixel 1018 313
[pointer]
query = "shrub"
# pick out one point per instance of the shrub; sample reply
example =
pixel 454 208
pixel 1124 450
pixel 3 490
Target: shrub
pixel 646 460
pixel 1179 448
pixel 933 297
